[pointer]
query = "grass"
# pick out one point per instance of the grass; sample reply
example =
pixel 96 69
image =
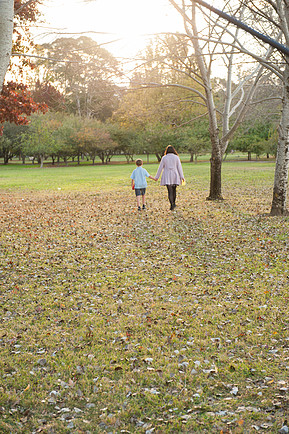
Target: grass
pixel 119 321
pixel 108 177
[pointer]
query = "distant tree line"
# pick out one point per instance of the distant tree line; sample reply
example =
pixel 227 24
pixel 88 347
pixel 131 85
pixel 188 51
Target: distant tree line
pixel 89 116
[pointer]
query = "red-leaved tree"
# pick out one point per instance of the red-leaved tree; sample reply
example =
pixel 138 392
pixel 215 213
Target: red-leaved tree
pixel 16 102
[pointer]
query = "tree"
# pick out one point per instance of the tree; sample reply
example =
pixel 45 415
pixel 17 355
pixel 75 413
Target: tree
pixel 16 104
pixel 6 149
pixel 95 140
pixel 214 42
pixel 6 32
pixel 270 17
pixel 159 102
pixel 276 14
pixel 15 100
pixel 127 139
pixel 40 139
pixel 160 90
pixel 85 76
pixel 67 137
pixel 156 137
pixel 195 138
pixel 252 137
pixel 47 94
pixel 11 141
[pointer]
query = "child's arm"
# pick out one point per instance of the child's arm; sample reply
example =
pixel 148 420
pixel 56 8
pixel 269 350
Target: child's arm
pixel 151 177
pixel 132 183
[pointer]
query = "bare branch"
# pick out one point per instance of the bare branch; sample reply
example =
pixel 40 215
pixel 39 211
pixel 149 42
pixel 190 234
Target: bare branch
pixel 192 120
pixel 44 58
pixel 181 86
pixel 243 50
pixel 266 99
pixel 23 6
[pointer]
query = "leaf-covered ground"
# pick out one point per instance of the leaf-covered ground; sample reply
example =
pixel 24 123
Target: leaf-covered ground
pixel 118 321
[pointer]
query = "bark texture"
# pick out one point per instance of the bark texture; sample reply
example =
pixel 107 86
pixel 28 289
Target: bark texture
pixel 216 175
pixel 282 159
pixel 6 31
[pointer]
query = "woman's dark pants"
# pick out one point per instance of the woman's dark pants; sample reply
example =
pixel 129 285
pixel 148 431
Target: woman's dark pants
pixel 172 193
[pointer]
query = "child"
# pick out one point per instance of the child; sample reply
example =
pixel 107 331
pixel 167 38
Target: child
pixel 139 183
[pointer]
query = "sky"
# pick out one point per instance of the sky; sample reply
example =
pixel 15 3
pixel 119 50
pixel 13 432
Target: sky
pixel 131 22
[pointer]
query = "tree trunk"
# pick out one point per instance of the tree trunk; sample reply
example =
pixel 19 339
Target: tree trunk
pixel 6 30
pixel 216 177
pixel 6 157
pixel 159 157
pixel 282 159
pixel 41 161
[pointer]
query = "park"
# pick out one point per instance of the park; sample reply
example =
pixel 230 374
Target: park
pixel 160 321
pixel 123 318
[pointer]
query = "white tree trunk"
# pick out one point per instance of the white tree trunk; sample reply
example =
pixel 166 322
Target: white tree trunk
pixel 282 158
pixel 6 31
pixel 216 155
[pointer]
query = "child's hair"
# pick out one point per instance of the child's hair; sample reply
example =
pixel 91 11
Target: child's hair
pixel 170 150
pixel 139 162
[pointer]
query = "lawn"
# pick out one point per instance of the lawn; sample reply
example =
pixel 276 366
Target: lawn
pixel 119 321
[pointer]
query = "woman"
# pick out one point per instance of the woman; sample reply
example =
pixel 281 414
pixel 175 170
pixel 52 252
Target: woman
pixel 172 173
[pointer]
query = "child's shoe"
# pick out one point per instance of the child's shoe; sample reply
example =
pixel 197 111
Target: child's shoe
pixel 139 208
pixel 143 207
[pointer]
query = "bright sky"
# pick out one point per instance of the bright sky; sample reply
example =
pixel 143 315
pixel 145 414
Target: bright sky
pixel 133 21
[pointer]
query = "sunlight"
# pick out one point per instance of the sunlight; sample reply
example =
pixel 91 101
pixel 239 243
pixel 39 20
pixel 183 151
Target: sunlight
pixel 130 22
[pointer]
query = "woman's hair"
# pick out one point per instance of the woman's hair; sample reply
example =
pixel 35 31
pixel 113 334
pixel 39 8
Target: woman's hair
pixel 170 150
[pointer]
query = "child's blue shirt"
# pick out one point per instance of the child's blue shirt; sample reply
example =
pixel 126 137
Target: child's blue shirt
pixel 139 176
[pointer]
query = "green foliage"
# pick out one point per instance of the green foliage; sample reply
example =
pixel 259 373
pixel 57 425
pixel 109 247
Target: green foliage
pixel 254 137
pixel 163 90
pixel 10 141
pixel 60 136
pixel 128 139
pixel 156 137
pixel 6 149
pixel 195 139
pixel 85 76
pixel 39 140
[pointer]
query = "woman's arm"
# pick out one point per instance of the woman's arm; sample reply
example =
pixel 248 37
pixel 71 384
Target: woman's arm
pixel 180 169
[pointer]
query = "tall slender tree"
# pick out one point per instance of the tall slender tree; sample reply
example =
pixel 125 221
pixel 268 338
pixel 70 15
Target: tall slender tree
pixel 85 76
pixel 213 41
pixel 15 99
pixel 6 32
pixel 270 19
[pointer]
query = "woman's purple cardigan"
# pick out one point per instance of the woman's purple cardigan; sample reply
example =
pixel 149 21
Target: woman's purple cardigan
pixel 172 170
